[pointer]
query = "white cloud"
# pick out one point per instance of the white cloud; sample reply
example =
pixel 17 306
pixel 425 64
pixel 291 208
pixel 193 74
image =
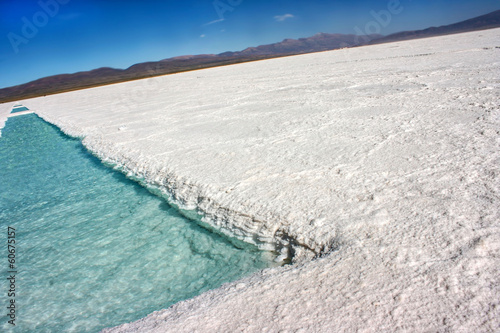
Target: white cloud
pixel 281 18
pixel 213 22
pixel 202 36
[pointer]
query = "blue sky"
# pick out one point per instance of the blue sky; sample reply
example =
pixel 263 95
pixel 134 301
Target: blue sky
pixel 47 37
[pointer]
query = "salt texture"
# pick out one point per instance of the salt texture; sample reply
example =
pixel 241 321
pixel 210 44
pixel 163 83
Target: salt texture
pixel 383 161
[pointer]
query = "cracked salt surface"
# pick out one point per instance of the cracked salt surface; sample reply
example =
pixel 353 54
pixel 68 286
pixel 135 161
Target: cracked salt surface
pixel 390 156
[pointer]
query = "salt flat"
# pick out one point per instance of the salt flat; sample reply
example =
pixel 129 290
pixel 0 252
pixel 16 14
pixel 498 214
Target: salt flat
pixel 382 162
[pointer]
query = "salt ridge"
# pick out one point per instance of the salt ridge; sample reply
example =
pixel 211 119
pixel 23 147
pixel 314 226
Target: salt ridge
pixel 186 195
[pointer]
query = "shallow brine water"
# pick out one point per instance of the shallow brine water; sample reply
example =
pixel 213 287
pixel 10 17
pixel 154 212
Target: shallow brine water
pixel 19 108
pixel 94 249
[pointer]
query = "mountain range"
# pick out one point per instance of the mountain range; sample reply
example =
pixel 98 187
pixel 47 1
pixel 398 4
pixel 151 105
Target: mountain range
pixel 319 42
pixel 488 21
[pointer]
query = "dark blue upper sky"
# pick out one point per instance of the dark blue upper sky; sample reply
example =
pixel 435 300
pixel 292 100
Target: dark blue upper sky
pixel 46 37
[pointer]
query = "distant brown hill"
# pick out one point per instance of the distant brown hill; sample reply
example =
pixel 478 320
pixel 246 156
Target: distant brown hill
pixel 316 43
pixel 319 42
pixel 488 21
pixel 102 76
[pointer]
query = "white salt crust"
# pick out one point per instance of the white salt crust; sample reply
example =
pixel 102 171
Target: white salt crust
pixel 388 154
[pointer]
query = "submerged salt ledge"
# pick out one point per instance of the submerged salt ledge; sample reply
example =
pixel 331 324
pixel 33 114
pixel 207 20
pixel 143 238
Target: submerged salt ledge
pixel 388 153
pixel 113 233
pixel 225 217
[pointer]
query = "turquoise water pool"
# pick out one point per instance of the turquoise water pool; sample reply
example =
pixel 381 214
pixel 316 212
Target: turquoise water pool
pixel 93 248
pixel 19 109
